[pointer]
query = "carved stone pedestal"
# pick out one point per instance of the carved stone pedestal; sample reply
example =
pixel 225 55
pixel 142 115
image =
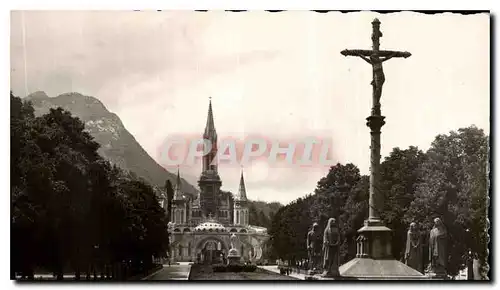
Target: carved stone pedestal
pixel 374 257
pixel 374 240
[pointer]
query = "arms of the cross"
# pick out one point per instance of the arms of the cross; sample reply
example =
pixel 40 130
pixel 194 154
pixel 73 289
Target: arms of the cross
pixel 375 55
pixel 380 53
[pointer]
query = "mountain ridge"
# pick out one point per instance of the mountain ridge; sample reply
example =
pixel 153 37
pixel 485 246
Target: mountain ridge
pixel 118 145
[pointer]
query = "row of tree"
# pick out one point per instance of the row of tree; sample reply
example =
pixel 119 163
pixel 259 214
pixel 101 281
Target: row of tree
pixel 449 181
pixel 71 210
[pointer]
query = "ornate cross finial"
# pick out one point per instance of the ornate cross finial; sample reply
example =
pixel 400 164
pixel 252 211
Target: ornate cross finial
pixel 376 34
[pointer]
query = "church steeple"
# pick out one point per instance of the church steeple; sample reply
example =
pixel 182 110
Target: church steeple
pixel 209 161
pixel 210 181
pixel 242 192
pixel 210 132
pixel 178 189
pixel 241 204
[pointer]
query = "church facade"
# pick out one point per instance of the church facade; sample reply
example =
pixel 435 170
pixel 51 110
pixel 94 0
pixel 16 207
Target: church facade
pixel 200 227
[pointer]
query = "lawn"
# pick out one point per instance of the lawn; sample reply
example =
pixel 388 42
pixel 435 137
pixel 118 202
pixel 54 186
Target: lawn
pixel 199 272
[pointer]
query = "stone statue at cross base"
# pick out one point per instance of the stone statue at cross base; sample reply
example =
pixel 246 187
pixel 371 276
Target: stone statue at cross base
pixel 314 248
pixel 413 252
pixel 438 252
pixel 331 243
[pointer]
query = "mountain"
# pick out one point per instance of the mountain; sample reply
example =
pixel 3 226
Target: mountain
pixel 267 208
pixel 261 213
pixel 117 144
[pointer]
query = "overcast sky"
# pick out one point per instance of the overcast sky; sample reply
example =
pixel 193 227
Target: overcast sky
pixel 272 74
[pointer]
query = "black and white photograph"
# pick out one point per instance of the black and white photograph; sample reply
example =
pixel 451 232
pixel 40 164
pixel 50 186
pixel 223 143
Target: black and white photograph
pixel 300 145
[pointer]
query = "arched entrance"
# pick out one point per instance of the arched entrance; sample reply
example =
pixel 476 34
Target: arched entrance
pixel 211 250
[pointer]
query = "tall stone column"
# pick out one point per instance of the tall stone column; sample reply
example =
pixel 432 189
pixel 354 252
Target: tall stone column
pixel 376 200
pixel 375 237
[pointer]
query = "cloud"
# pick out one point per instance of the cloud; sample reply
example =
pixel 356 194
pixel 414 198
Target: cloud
pixel 267 73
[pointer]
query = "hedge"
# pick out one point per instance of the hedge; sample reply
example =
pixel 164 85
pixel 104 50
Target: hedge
pixel 234 268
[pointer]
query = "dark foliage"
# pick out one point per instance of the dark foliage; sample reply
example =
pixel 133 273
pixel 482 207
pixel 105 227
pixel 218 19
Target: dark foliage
pixel 71 209
pixel 449 181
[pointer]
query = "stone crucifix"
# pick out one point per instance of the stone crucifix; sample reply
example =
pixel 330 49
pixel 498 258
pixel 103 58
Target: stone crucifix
pixel 375 57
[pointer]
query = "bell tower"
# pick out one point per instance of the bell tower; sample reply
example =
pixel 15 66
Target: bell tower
pixel 241 204
pixel 179 204
pixel 210 181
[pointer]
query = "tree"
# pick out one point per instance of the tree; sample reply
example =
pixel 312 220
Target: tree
pixel 71 208
pixel 253 215
pixel 291 223
pixel 453 187
pixel 450 180
pixel 263 219
pixel 330 200
pixel 355 212
pixel 332 192
pixel 288 230
pixel 170 196
pixel 399 174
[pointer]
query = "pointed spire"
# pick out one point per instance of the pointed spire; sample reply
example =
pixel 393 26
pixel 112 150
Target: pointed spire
pixel 242 192
pixel 178 183
pixel 177 191
pixel 210 127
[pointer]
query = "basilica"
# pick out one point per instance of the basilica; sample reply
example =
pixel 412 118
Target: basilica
pixel 201 226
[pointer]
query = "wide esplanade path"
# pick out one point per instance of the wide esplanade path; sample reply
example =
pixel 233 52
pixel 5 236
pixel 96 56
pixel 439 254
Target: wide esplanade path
pixel 172 272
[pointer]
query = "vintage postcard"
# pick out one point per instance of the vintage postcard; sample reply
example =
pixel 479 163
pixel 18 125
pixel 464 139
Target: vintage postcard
pixel 256 145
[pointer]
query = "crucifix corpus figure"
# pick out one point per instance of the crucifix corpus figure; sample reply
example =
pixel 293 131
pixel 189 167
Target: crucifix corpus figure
pixel 375 58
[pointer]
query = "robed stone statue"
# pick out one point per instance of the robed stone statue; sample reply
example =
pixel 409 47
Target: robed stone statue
pixel 314 248
pixel 413 253
pixel 438 252
pixel 234 240
pixel 331 242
